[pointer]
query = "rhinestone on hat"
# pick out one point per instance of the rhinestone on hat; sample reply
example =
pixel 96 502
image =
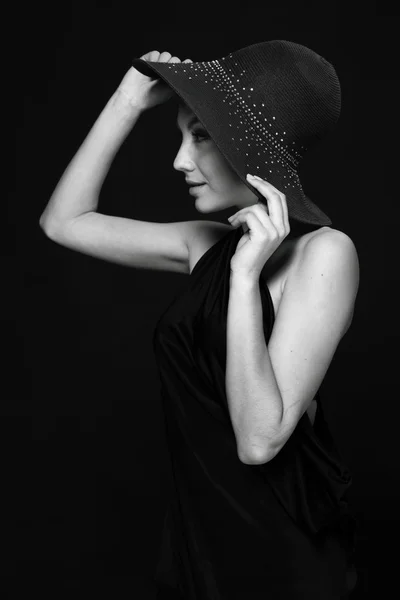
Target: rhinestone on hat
pixel 269 142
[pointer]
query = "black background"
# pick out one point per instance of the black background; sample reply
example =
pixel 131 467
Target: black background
pixel 83 462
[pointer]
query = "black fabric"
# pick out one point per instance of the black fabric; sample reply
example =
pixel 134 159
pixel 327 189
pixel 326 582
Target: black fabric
pixel 282 530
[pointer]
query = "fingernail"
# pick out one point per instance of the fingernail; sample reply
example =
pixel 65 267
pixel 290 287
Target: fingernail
pixel 248 175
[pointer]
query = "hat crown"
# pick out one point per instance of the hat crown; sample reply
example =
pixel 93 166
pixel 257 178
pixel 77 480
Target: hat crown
pixel 290 82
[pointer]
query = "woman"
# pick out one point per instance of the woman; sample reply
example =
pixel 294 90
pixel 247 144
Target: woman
pixel 258 498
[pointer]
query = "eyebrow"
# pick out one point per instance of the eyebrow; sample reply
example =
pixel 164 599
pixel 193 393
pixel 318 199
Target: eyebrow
pixel 191 122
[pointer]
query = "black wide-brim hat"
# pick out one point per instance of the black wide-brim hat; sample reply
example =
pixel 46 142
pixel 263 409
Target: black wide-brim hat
pixel 264 106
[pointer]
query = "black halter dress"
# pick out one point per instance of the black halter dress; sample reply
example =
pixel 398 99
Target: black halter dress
pixel 282 530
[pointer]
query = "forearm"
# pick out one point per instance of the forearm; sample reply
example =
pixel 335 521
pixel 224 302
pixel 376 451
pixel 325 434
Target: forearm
pixel 78 190
pixel 253 395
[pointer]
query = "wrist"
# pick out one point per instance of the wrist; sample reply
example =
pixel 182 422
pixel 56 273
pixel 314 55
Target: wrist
pixel 244 281
pixel 125 106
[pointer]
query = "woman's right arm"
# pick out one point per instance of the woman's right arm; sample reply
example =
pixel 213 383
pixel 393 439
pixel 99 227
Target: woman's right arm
pixel 71 218
pixel 78 190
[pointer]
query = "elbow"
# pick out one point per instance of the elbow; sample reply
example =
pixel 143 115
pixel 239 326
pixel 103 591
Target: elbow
pixel 44 223
pixel 48 227
pixel 255 455
pixel 259 451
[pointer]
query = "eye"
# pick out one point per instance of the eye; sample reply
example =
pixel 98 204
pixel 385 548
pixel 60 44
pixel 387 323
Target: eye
pixel 200 135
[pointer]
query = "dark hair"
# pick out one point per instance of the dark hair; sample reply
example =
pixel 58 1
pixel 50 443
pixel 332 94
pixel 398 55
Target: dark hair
pixel 180 101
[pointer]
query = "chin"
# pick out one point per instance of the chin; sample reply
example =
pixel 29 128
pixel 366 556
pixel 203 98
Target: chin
pixel 206 203
pixel 210 203
pixel 199 206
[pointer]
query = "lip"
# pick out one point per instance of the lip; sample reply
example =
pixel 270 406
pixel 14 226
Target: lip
pixel 194 188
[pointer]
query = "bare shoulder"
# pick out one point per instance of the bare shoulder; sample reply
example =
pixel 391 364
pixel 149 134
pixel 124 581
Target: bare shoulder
pixel 323 233
pixel 330 251
pixel 326 241
pixel 332 234
pixel 320 239
pixel 333 242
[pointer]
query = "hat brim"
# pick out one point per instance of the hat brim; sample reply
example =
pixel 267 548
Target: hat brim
pixel 191 91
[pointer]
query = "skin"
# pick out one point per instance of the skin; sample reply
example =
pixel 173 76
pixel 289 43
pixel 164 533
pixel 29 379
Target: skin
pixel 200 160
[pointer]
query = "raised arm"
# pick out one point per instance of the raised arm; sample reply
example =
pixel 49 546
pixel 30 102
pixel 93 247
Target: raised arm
pixel 71 218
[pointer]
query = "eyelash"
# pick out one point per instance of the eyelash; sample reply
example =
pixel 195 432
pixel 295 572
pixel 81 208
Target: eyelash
pixel 200 134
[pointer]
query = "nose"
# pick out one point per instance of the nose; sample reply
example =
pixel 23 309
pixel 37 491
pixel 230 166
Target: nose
pixel 183 161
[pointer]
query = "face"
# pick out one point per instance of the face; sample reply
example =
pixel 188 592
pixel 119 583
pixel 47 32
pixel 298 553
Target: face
pixel 200 160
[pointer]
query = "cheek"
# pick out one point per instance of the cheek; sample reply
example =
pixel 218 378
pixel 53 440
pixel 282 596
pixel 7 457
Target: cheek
pixel 229 175
pixel 233 182
pixel 217 170
pixel 223 172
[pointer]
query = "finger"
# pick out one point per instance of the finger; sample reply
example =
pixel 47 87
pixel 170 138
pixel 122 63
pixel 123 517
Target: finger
pixel 283 202
pixel 151 56
pixel 260 209
pixel 284 229
pixel 250 219
pixel 164 57
pixel 274 200
pixel 286 213
pixel 188 60
pixel 261 213
pixel 174 59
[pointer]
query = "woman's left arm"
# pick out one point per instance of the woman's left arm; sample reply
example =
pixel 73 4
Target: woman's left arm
pixel 269 387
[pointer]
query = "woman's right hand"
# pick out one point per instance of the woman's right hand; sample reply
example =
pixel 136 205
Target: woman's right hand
pixel 142 91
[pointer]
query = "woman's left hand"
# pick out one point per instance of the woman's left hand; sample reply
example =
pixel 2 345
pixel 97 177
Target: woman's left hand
pixel 266 230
